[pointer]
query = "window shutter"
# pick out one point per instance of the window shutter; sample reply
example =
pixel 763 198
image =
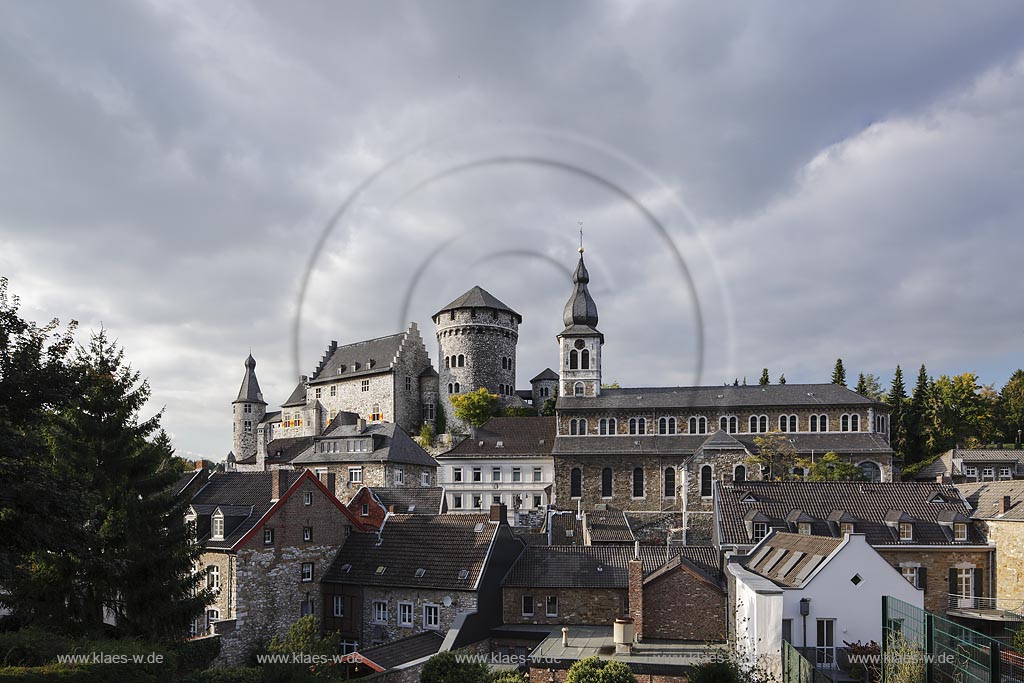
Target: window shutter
pixel 977 582
pixel 922 577
pixel 952 581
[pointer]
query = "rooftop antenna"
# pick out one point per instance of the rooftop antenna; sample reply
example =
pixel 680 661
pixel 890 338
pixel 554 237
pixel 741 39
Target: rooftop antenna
pixel 580 223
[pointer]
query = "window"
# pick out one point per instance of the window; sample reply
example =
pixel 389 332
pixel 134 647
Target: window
pixel 365 510
pixel 760 530
pixel 320 472
pixel 405 614
pixel 307 533
pixel 855 423
pixel 638 482
pixel 495 474
pixel 268 537
pixel 478 474
pixel 844 423
pixel 667 425
pixel 457 501
pixel 457 389
pixel 375 413
pixel 607 426
pixel 576 483
pixel 812 424
pixel 638 425
pixel 551 606
pixel 698 425
pixel 536 501
pixel 577 389
pixel 670 482
pixel 408 383
pixel 987 472
pixel 1004 473
pixel 364 385
pixel 399 476
pixel 213 577
pixel 478 502
pixel 577 427
pixel 212 615
pixel 425 478
pixel 428 411
pixel 339 606
pixel 959 531
pixel 965 582
pixel 787 630
pixel 826 649
pixel 739 473
pixel 870 471
pixel 787 423
pixel 846 528
pixel 355 475
pixel 247 408
pixel 307 572
pixel 462 361
pixel 334 390
pixel 317 392
pixel 906 531
pixel 380 612
pixel 431 616
pixel 606 482
pixel 307 498
pixel 538 474
pixel 574 360
pixel 517 474
pixel 705 481
pixel 909 573
pixel 527 605
pixel 758 424
pixel 248 425
pixel 456 474
pixel 804 528
pixel 218 526
pixel 584 359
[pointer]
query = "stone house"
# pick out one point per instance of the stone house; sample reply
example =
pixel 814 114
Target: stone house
pixel 268 538
pixel 811 591
pixel 360 453
pixel 961 465
pixel 420 573
pixel 922 529
pixel 372 504
pixel 506 460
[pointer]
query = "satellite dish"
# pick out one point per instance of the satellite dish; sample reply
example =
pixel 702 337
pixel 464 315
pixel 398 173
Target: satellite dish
pixel 447 601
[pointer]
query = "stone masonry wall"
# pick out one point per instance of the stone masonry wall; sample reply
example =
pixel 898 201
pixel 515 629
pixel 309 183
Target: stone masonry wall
pixel 224 603
pixel 243 443
pixel 375 474
pixel 461 601
pixel 594 606
pixel 937 563
pixel 412 360
pixel 622 481
pixel 484 340
pixel 1009 539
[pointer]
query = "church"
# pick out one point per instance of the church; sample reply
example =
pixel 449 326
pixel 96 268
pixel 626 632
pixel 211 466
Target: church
pixel 642 450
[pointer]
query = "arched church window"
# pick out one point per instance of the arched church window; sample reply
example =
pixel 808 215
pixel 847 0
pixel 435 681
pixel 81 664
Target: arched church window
pixel 670 482
pixel 638 482
pixel 576 483
pixel 705 481
pixel 606 482
pixel 574 360
pixel 577 389
pixel 585 359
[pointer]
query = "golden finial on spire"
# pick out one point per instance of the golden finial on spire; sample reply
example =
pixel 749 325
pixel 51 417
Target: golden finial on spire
pixel 581 235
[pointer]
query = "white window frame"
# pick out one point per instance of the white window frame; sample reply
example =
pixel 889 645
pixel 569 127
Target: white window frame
pixel 909 573
pixel 959 527
pixel 457 501
pixel 456 474
pixel 761 527
pixel 307 498
pixel 307 533
pixel 405 609
pixel 217 527
pixel 548 600
pixel 268 537
pixel 435 623
pixel 338 610
pixel 307 572
pixel 496 474
pixel 517 474
pixel 213 577
pixel 399 476
pixel 425 478
pixel 1005 473
pixel 538 474
pixel 906 531
pixel 380 612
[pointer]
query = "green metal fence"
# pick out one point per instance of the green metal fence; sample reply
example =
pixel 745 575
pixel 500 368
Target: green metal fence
pixel 917 644
pixel 798 669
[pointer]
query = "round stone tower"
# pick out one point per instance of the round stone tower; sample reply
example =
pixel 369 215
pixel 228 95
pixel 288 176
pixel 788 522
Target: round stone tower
pixel 248 410
pixel 476 342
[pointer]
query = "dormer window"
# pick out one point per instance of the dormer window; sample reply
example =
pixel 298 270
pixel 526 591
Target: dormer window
pixel 804 528
pixel 846 528
pixel 906 531
pixel 217 527
pixel 960 531
pixel 760 530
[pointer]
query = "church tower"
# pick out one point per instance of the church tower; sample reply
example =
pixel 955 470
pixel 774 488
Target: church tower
pixel 580 342
pixel 476 341
pixel 248 410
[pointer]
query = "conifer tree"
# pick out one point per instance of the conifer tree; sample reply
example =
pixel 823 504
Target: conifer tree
pixel 764 381
pixel 782 378
pixel 897 401
pixel 839 373
pixel 915 417
pixel 861 387
pixel 1011 407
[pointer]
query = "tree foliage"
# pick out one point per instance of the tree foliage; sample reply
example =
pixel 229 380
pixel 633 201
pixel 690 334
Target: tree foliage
pixel 765 380
pixel 1011 409
pixel 446 667
pixel 596 670
pixel 830 467
pixel 475 407
pixel 774 451
pixel 839 373
pixel 897 400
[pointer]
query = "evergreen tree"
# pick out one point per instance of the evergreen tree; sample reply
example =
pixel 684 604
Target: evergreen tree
pixel 839 373
pixel 764 381
pixel 782 378
pixel 916 449
pixel 744 380
pixel 1011 407
pixel 861 387
pixel 440 419
pixel 736 382
pixel 897 401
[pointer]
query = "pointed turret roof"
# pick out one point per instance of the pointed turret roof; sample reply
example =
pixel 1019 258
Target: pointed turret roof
pixel 250 389
pixel 545 374
pixel 580 314
pixel 478 297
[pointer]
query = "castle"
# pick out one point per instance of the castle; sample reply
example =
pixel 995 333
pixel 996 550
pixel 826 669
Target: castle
pixel 640 449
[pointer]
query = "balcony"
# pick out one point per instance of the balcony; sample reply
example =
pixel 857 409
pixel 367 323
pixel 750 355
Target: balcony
pixel 987 609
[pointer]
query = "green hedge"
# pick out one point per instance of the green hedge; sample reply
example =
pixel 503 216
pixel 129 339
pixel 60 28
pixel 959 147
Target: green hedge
pixel 30 655
pixel 92 673
pixel 227 674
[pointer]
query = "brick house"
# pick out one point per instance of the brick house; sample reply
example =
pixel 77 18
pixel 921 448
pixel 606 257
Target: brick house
pixel 372 504
pixel 420 573
pixel 961 465
pixel 922 529
pixel 359 453
pixel 268 538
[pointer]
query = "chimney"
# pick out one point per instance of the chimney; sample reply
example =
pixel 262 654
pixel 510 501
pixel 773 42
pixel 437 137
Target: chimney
pixel 391 509
pixel 1004 505
pixel 623 635
pixel 360 425
pixel 330 483
pixel 636 596
pixel 278 483
pixel 499 513
pixel 200 464
pixel 565 637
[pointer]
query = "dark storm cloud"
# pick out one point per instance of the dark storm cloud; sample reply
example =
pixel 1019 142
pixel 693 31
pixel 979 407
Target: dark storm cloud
pixel 853 172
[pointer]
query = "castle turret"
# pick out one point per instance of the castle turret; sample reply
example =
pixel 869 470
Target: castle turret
pixel 580 342
pixel 476 340
pixel 247 412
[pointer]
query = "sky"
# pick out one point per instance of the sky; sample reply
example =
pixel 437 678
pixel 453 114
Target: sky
pixel 760 184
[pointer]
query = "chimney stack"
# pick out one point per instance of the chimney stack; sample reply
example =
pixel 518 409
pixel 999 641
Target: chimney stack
pixel 278 483
pixel 635 583
pixel 1004 505
pixel 360 425
pixel 200 464
pixel 499 513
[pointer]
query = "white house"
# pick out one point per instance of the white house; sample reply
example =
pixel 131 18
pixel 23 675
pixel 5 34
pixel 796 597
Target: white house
pixel 814 592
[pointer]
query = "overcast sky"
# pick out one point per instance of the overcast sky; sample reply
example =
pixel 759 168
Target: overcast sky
pixel 778 184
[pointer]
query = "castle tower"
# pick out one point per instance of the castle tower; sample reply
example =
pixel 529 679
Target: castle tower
pixel 248 410
pixel 476 342
pixel 580 342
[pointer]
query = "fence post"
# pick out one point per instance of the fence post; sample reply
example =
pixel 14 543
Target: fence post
pixel 995 661
pixel 929 647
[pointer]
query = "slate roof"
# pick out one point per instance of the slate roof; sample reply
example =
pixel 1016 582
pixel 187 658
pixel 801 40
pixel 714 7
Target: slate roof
pixel 580 310
pixel 184 480
pixel 417 501
pixel 274 416
pixel 391 444
pixel 868 503
pixel 577 566
pixel 789 559
pixel 545 374
pixel 298 395
pixel 245 498
pixel 706 557
pixel 477 297
pixel 250 392
pixel 942 466
pixel 285 450
pixel 367 357
pixel 608 527
pixel 442 545
pixel 565 529
pixel 519 436
pixel 715 397
pixel 401 651
pixel 985 497
pixel 687 444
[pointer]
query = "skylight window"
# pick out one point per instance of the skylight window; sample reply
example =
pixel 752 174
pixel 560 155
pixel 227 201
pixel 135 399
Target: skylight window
pixel 381 569
pixel 420 572
pixel 463 574
pixel 479 527
pixel 346 568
